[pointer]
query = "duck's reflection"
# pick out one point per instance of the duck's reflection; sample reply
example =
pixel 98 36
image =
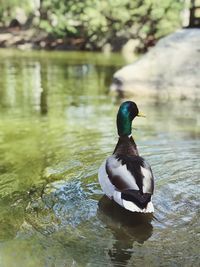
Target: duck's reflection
pixel 127 228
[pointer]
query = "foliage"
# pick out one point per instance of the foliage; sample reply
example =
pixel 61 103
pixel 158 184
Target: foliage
pixel 97 22
pixel 8 9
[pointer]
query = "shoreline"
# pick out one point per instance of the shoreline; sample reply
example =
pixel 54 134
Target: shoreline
pixel 36 39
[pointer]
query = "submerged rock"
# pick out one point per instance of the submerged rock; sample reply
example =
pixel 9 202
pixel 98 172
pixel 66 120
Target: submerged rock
pixel 170 69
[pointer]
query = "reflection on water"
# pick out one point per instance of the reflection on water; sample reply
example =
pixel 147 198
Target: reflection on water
pixel 30 81
pixel 126 228
pixel 57 124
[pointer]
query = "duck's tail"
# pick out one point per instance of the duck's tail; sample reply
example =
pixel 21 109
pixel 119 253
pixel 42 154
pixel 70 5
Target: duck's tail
pixel 134 208
pixel 134 201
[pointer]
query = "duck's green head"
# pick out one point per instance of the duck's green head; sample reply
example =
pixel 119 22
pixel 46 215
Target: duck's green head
pixel 127 112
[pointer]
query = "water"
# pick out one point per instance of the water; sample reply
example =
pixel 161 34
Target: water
pixel 57 125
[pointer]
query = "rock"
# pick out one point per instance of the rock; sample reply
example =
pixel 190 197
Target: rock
pixel 170 69
pixel 22 39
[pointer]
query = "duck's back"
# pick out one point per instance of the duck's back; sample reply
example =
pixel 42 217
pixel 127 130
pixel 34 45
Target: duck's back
pixel 127 178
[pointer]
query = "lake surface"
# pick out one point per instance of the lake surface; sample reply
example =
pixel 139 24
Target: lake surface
pixel 57 124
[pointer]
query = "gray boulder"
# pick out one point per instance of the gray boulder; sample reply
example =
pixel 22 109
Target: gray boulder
pixel 170 69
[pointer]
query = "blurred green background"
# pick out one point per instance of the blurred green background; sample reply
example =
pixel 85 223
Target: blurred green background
pixel 95 24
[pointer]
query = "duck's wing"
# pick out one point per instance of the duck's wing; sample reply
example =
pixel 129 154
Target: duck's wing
pixel 130 173
pixel 132 178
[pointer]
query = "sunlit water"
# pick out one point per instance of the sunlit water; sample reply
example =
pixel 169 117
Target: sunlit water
pixel 57 125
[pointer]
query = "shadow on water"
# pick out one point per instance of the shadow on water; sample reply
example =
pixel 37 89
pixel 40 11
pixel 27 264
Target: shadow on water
pixel 126 227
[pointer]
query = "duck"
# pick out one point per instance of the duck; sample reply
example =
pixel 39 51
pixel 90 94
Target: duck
pixel 125 177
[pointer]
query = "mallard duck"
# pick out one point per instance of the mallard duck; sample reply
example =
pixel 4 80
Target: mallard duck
pixel 124 176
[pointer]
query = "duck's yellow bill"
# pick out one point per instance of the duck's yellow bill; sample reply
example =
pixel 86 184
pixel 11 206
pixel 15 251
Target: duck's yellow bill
pixel 140 114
